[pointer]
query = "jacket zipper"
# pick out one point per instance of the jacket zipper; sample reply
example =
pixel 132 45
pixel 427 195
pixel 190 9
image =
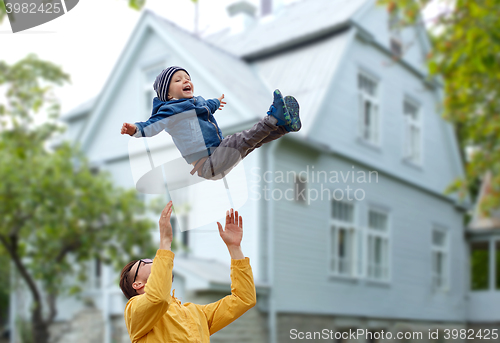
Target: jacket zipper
pixel 208 118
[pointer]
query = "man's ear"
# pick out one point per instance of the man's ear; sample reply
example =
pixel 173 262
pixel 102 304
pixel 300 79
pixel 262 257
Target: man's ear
pixel 138 285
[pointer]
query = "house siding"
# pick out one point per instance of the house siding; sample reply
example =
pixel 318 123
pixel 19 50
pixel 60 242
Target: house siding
pixel 301 249
pixel 339 120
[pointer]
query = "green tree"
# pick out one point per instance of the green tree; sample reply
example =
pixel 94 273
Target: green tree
pixel 466 56
pixel 55 214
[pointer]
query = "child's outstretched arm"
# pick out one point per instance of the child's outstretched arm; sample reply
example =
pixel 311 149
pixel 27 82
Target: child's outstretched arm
pixel 155 124
pixel 216 103
pixel 222 103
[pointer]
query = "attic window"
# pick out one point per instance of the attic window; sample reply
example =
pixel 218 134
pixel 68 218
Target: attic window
pixel 396 47
pixel 396 41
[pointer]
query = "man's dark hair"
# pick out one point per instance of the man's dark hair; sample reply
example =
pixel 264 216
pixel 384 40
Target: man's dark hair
pixel 126 281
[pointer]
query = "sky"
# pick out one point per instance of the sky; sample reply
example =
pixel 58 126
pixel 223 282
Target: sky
pixel 88 40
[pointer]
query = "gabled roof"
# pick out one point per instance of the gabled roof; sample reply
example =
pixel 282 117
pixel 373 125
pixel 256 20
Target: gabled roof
pixel 215 275
pixel 480 221
pixel 276 32
pixel 80 110
pixel 307 73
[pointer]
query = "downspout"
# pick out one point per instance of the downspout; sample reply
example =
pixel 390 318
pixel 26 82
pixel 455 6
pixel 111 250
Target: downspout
pixel 272 318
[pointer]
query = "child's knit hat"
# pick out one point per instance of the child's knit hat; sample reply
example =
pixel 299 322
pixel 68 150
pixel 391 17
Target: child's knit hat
pixel 163 81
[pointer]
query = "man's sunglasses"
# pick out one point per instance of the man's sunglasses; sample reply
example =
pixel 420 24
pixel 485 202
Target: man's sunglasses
pixel 145 261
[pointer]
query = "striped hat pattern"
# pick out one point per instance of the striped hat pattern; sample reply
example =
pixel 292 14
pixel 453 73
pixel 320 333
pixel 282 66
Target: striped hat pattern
pixel 163 81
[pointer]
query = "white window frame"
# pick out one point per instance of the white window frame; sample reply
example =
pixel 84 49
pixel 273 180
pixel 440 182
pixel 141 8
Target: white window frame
pixel 147 88
pixel 412 149
pixel 395 34
pixel 371 234
pixel 445 251
pixel 95 274
pixel 371 133
pixel 351 230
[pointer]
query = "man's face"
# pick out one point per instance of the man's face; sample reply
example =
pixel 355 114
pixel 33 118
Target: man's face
pixel 180 86
pixel 144 270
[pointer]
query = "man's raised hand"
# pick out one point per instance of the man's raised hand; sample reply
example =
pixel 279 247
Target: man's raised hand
pixel 232 234
pixel 166 235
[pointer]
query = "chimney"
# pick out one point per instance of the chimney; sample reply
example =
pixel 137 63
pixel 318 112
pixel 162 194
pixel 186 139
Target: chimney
pixel 242 15
pixel 268 7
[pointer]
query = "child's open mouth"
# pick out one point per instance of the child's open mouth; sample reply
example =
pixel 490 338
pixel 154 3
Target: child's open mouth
pixel 187 89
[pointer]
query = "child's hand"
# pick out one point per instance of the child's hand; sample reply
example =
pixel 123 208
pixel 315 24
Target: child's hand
pixel 222 103
pixel 128 129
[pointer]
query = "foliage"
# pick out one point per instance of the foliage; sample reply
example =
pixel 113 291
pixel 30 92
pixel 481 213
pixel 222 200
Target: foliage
pixel 466 56
pixel 55 213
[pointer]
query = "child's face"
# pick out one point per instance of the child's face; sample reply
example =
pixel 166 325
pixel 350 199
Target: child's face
pixel 180 86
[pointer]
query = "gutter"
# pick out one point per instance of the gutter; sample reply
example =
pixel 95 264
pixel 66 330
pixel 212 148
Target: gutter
pixel 272 313
pixel 307 142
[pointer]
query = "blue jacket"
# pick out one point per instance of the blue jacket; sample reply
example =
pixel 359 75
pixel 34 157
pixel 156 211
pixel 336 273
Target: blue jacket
pixel 190 122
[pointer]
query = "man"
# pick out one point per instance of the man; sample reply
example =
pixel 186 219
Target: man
pixel 153 315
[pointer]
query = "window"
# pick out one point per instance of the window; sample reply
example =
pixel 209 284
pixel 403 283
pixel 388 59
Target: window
pixel 480 265
pixel 368 109
pixel 95 273
pixel 485 265
pixel 185 233
pixel 439 258
pixel 300 189
pixel 378 246
pixel 180 230
pixel 150 75
pixel 497 265
pixel 413 132
pixel 342 335
pixel 375 336
pixel 396 43
pixel 342 239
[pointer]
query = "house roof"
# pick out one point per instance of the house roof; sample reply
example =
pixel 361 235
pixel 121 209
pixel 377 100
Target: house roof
pixel 214 272
pixel 306 72
pixel 276 32
pixel 481 221
pixel 80 110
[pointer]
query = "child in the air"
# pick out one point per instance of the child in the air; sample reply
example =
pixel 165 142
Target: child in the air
pixel 194 130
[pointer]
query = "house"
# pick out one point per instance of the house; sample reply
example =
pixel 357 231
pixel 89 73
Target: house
pixel 484 243
pixel 346 223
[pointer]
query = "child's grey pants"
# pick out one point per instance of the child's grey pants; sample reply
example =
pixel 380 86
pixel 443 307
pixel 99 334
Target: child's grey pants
pixel 235 147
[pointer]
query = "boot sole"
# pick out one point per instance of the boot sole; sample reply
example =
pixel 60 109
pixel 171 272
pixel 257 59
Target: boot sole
pixel 292 109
